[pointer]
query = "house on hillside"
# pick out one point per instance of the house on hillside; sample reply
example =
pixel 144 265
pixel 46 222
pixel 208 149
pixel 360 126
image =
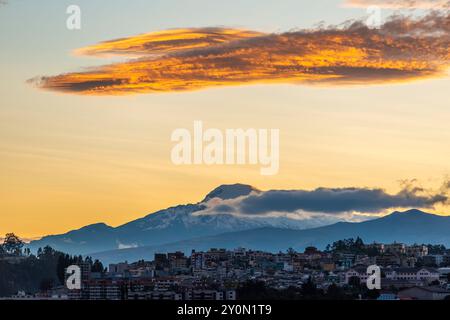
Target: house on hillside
pixel 424 293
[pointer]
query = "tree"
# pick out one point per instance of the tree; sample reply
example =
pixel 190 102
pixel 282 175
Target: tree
pixel 311 250
pixel 358 245
pixel 32 274
pixel 64 260
pixel 435 283
pixel 250 290
pixel 97 266
pixel 309 288
pixel 334 292
pixel 27 252
pixel 436 249
pixel 354 282
pixel 48 253
pixel 46 284
pixel 372 294
pixel 12 244
pixel 291 251
pixel 372 252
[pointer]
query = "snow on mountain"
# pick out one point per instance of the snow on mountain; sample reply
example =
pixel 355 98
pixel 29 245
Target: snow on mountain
pixel 169 225
pixel 230 191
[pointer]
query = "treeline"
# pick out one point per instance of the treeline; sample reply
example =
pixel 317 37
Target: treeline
pixel 357 246
pixel 258 290
pixel 20 270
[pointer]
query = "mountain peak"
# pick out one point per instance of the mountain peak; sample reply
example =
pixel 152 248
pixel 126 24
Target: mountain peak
pixel 412 213
pixel 415 211
pixel 230 191
pixel 95 227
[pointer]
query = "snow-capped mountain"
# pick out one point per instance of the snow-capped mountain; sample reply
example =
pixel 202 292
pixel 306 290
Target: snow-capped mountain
pixel 233 191
pixel 173 224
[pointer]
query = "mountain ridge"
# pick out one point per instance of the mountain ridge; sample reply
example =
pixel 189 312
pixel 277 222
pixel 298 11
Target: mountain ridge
pixel 175 223
pixel 394 227
pixel 179 225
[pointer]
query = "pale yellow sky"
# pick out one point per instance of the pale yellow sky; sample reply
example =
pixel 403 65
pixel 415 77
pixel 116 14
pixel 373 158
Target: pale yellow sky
pixel 67 161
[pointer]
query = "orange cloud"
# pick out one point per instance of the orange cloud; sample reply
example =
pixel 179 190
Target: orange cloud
pixel 157 43
pixel 190 59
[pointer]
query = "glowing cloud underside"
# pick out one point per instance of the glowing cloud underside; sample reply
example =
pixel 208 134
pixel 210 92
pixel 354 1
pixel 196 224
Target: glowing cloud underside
pixel 189 59
pixel 163 42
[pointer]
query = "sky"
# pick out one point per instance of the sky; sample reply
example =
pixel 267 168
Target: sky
pixel 71 158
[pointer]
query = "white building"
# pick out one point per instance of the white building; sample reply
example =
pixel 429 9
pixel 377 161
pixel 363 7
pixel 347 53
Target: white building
pixel 409 274
pixel 360 273
pixel 413 274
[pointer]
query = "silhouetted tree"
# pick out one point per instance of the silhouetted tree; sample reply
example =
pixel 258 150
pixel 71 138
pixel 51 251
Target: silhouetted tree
pixel 309 288
pixel 354 282
pixel 32 274
pixel 27 251
pixel 372 294
pixel 12 244
pixel 46 284
pixel 334 292
pixel 291 251
pixel 436 249
pixel 97 266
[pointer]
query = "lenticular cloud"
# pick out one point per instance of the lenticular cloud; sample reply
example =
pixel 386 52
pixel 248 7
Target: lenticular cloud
pixel 403 49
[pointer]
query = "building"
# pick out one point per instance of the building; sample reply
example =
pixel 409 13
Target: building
pixel 217 273
pixel 392 275
pixel 215 254
pixel 417 251
pixel 166 284
pixel 119 268
pixel 427 275
pixel 388 259
pixel 360 273
pixel 446 260
pixel 378 247
pixel 444 273
pixel 104 289
pixel 198 261
pixel 78 294
pixel 408 262
pixel 433 260
pixel 210 295
pixel 384 296
pixel 346 260
pixel 395 248
pixel 177 260
pixel 328 265
pixel 164 295
pixel 161 261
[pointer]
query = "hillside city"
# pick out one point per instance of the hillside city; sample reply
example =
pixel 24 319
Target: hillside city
pixel 339 272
